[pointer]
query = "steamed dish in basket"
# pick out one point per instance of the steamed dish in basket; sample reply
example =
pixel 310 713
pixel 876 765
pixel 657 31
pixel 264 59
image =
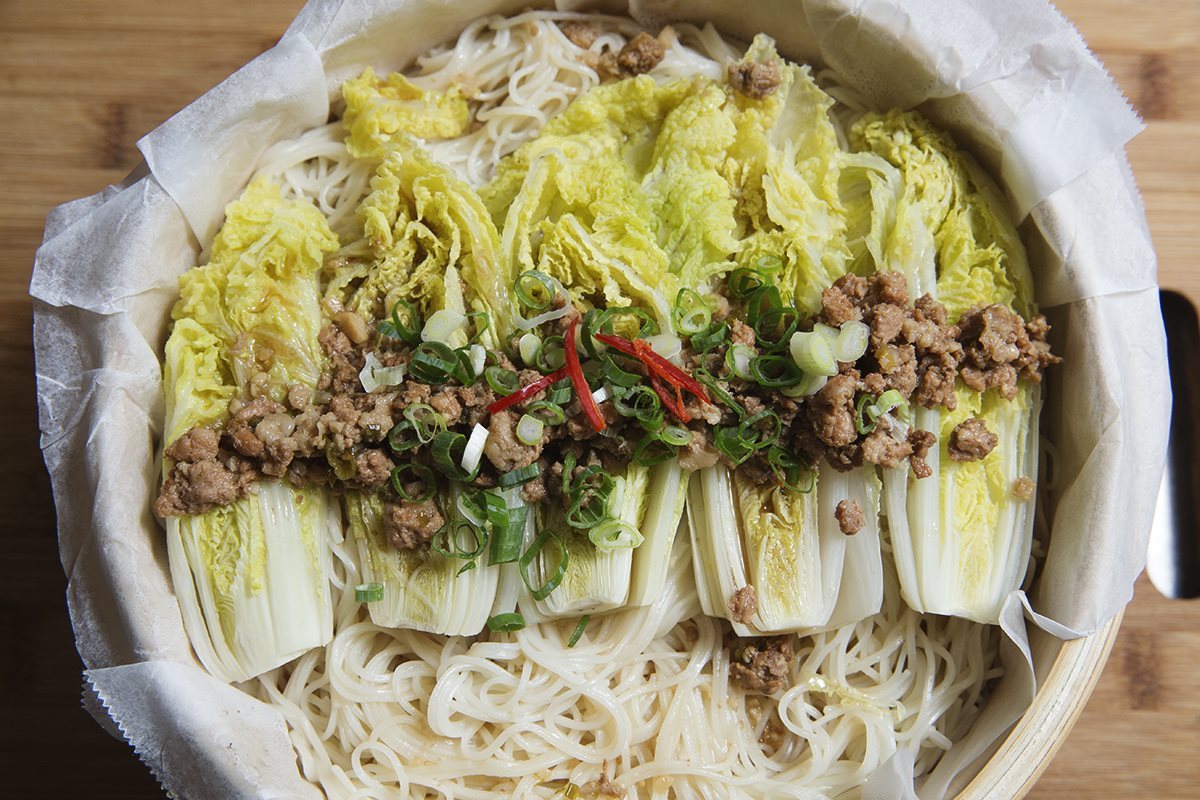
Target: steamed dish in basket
pixel 589 413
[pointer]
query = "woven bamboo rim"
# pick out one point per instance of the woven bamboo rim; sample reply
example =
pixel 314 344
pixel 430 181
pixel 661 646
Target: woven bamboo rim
pixel 1011 773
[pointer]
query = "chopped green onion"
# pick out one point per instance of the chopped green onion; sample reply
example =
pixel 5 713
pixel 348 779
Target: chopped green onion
pixel 756 435
pixel 711 337
pixel 528 346
pixel 642 403
pixel 596 321
pixel 790 471
pixel 852 341
pixel 675 435
pixel 574 640
pixel 420 474
pixel 426 422
pixel 404 324
pixel 808 386
pixel 691 313
pixel 769 264
pixel 774 371
pixel 447 540
pixel 403 437
pixel 863 420
pixel 892 398
pixel 774 328
pixel 448 449
pixel 559 393
pixel 560 571
pixel 436 362
pixel 651 450
pixel 550 354
pixel 501 380
pixel 368 592
pixel 711 383
pixel 812 353
pixel 507 525
pixel 547 412
pixel 611 373
pixel 530 430
pixel 764 299
pixel 518 476
pixel 744 282
pixel 588 494
pixel 738 358
pixel 484 322
pixel 614 534
pixel 506 623
pixel 730 443
pixel 535 290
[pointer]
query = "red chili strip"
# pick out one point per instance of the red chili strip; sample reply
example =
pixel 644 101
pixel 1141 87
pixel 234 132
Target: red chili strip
pixel 644 352
pixel 672 404
pixel 586 401
pixel 526 392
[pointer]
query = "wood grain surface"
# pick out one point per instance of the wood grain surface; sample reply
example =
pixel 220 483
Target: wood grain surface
pixel 81 81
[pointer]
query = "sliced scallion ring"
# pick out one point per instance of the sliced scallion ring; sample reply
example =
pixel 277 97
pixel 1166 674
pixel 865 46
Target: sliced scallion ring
pixel 738 358
pixel 542 591
pixel 528 346
pixel 774 371
pixel 500 380
pixel 368 592
pixel 863 421
pixel 852 340
pixel 812 353
pixel 459 538
pixel 535 289
pixel 448 450
pixel 614 534
pixel 404 323
pixel 506 623
pixel 675 435
pixel 715 335
pixel 547 412
pixel 405 475
pixel 692 313
pixel 426 421
pixel 550 354
pixel 530 430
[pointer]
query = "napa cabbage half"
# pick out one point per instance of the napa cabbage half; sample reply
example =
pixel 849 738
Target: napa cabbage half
pixel 961 538
pixel 252 577
pixel 428 240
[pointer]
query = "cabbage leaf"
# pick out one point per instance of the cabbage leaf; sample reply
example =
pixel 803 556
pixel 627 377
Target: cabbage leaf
pixel 380 111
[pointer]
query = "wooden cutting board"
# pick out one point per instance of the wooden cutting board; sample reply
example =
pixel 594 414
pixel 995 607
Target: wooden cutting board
pixel 80 81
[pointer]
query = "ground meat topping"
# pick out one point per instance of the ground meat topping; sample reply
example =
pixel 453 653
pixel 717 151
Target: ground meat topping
pixel 761 665
pixel 1023 488
pixel 579 33
pixel 743 605
pixel 1001 348
pixel 503 449
pixel 755 79
pixel 642 54
pixel 409 525
pixel 971 440
pixel 849 516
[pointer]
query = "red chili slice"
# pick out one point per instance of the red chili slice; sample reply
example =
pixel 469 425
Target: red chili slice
pixel 644 352
pixel 526 392
pixel 575 370
pixel 672 404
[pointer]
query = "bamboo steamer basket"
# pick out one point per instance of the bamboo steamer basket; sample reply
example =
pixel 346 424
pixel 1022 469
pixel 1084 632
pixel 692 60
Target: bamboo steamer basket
pixel 1067 675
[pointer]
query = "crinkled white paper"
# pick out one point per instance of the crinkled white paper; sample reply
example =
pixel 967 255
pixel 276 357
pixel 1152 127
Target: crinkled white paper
pixel 1012 80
